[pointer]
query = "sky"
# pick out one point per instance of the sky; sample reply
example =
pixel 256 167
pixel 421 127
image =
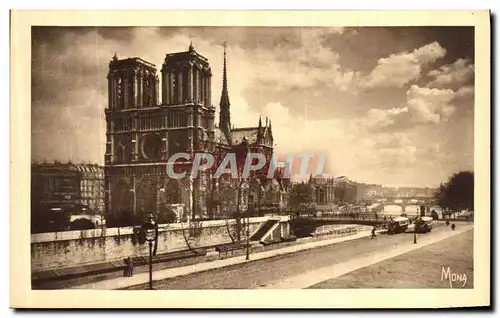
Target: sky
pixel 391 106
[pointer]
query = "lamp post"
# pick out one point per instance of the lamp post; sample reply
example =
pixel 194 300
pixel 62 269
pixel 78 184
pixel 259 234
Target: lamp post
pixel 149 229
pixel 415 229
pixel 247 257
pixel 243 151
pixel 248 238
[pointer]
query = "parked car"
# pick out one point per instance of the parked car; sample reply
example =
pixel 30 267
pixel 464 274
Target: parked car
pixel 424 224
pixel 398 225
pixel 467 215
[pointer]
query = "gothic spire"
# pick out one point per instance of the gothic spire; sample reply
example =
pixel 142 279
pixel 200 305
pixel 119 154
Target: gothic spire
pixel 225 119
pixel 191 47
pixel 260 122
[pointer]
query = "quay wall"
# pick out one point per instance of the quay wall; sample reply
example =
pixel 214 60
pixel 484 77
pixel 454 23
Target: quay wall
pixel 58 250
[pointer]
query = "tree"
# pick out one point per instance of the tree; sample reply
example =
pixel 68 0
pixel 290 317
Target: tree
pixel 440 198
pixel 82 224
pixel 166 215
pixel 301 196
pixel 124 218
pixel 46 219
pixel 218 155
pixel 458 193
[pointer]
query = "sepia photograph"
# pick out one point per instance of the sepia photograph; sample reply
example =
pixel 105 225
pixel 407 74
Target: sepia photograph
pixel 254 158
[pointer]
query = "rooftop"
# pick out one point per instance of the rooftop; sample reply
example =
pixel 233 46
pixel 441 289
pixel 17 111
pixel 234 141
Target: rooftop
pixel 116 63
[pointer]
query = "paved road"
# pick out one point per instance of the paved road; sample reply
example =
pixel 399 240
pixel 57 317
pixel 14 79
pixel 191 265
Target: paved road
pixel 422 268
pixel 260 273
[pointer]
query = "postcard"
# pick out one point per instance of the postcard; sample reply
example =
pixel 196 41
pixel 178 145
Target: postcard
pixel 250 159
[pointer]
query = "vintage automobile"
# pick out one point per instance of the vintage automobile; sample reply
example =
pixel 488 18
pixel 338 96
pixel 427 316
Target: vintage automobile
pixel 398 225
pixel 424 224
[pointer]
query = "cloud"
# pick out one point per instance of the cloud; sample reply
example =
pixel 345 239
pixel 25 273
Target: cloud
pixel 402 68
pixel 290 67
pixel 465 92
pixel 452 75
pixel 430 105
pixel 423 106
pixel 380 118
pixel 352 146
pixel 310 35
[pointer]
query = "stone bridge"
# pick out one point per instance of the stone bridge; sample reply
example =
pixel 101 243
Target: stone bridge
pixel 404 202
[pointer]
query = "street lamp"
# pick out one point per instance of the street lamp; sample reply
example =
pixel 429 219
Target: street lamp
pixel 247 257
pixel 149 229
pixel 243 151
pixel 415 229
pixel 248 238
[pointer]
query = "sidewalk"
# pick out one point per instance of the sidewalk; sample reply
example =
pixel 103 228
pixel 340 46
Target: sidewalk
pixel 142 278
pixel 322 274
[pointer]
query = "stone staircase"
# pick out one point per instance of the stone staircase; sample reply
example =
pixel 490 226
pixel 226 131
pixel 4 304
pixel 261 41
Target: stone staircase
pixel 263 230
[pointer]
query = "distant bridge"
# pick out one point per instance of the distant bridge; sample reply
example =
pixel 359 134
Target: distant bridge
pixel 413 200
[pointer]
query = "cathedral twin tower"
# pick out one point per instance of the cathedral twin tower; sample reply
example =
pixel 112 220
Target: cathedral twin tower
pixel 142 132
pixel 186 77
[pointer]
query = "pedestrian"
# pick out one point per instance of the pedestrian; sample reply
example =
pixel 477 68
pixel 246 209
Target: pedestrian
pixel 453 226
pixel 126 268
pixel 373 232
pixel 129 267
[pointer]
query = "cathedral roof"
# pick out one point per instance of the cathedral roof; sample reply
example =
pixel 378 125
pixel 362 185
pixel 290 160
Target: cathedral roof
pixel 186 56
pixel 131 62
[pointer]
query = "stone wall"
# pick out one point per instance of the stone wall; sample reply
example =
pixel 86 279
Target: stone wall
pixel 335 229
pixel 74 248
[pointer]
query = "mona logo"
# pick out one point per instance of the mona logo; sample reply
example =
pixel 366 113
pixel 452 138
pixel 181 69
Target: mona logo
pixel 447 274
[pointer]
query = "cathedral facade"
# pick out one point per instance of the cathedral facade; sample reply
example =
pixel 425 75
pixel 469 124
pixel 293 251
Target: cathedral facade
pixel 142 133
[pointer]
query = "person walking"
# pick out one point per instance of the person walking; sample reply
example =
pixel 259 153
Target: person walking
pixel 128 271
pixel 126 268
pixel 453 226
pixel 373 232
pixel 130 266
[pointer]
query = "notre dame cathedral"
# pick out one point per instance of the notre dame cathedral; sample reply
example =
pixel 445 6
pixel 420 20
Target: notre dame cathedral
pixel 142 133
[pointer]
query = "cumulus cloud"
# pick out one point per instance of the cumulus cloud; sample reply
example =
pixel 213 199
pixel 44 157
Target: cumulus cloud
pixel 402 68
pixel 430 105
pixel 465 92
pixel 303 66
pixel 380 118
pixel 452 75
pixel 352 147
